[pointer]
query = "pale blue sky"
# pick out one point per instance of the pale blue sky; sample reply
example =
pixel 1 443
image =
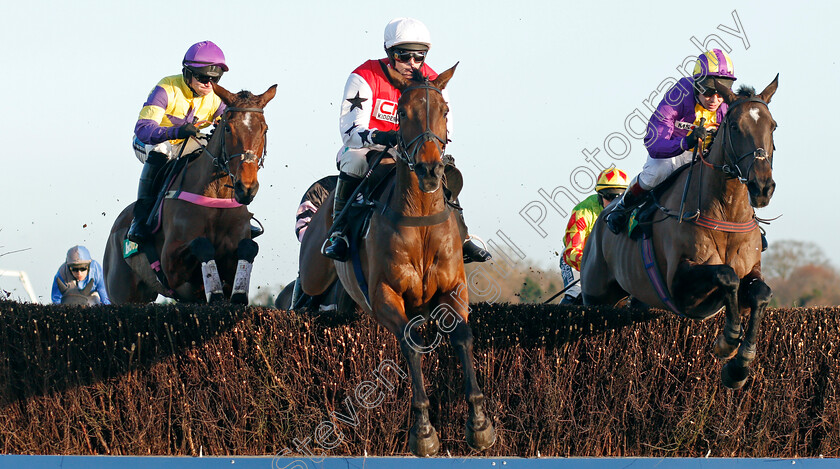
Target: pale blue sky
pixel 538 83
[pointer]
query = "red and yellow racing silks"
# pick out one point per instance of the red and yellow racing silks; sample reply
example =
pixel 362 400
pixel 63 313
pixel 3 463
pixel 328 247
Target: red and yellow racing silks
pixel 580 225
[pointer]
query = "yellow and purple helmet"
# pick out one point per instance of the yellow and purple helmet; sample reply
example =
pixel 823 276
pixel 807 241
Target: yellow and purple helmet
pixel 714 64
pixel 611 178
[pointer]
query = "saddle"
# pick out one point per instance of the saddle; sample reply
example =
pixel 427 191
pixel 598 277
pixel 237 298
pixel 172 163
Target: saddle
pixel 641 218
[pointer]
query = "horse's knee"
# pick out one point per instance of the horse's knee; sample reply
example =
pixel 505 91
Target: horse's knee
pixel 247 250
pixel 758 293
pixel 203 249
pixel 726 277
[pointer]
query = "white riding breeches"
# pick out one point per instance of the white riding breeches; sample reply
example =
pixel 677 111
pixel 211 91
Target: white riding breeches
pixel 141 150
pixel 353 161
pixel 657 170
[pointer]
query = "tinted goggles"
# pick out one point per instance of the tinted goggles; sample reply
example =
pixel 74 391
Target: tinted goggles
pixel 204 79
pixel 79 269
pixel 406 55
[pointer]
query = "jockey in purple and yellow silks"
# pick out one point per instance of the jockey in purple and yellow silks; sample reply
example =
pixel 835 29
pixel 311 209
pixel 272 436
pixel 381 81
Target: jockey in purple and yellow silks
pixel 674 129
pixel 174 112
pixel 368 122
pixel 611 184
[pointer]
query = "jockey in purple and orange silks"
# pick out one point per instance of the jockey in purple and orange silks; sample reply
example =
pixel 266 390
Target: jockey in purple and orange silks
pixel 369 121
pixel 610 185
pixel 674 129
pixel 175 110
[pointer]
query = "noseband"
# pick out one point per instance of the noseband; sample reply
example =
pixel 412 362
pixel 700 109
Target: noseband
pixel 407 152
pixel 248 156
pixel 732 168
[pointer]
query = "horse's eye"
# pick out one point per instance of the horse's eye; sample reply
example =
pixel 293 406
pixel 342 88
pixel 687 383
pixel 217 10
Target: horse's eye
pixel 227 128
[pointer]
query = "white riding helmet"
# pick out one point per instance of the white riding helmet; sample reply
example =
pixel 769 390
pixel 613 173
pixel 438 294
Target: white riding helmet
pixel 405 31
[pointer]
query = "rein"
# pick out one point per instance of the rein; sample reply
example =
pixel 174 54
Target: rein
pixel 407 152
pixel 731 168
pixel 727 169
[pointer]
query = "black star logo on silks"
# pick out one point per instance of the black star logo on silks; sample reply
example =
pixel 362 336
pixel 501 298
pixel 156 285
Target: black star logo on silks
pixel 364 134
pixel 351 129
pixel 356 102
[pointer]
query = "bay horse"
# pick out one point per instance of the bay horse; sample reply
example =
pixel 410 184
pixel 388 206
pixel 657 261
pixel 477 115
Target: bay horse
pixel 204 242
pixel 411 259
pixel 708 260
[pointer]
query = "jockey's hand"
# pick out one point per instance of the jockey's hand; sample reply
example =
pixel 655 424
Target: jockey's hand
pixel 697 135
pixel 388 138
pixel 187 130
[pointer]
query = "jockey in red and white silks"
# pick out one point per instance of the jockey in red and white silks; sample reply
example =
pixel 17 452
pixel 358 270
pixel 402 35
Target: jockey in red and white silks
pixel 370 104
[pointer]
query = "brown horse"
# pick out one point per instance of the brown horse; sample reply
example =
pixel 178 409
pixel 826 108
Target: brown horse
pixel 204 242
pixel 712 259
pixel 411 258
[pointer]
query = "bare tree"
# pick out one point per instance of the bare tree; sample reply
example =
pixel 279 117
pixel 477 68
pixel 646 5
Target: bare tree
pixel 785 256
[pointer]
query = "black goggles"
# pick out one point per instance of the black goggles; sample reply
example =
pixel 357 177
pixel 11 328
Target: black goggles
pixel 406 55
pixel 204 79
pixel 609 197
pixel 79 269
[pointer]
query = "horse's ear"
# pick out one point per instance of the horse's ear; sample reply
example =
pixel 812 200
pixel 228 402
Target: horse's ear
pixel 227 96
pixel 268 95
pixel 394 77
pixel 62 287
pixel 442 79
pixel 770 90
pixel 725 92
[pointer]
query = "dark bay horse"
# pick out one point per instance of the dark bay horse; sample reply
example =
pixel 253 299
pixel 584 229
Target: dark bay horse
pixel 712 259
pixel 411 259
pixel 204 241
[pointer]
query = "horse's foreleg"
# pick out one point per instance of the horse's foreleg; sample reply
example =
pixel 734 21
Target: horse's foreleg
pixel 204 251
pixel 479 432
pixel 755 293
pixel 700 289
pixel 389 310
pixel 245 254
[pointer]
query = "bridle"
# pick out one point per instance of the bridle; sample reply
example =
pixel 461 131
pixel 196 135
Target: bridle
pixel 222 161
pixel 731 167
pixel 407 152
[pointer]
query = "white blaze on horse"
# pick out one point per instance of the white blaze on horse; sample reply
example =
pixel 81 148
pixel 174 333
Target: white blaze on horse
pixel 698 263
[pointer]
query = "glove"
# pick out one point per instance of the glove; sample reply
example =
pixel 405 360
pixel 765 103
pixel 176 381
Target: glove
pixel 697 135
pixel 389 138
pixel 187 130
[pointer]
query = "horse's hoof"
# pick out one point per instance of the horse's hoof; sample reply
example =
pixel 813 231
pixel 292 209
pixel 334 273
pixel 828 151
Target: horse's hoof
pixel 216 298
pixel 239 299
pixel 480 439
pixel 424 445
pixel 734 376
pixel 723 349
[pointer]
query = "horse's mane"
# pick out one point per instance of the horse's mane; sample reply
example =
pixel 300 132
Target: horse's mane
pixel 746 91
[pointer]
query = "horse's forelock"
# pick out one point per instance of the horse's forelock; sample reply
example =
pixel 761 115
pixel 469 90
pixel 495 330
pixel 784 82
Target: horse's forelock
pixel 417 75
pixel 244 98
pixel 746 91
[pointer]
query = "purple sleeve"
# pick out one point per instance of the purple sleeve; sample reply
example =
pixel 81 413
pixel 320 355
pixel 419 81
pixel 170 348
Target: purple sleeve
pixel 219 111
pixel 149 131
pixel 662 139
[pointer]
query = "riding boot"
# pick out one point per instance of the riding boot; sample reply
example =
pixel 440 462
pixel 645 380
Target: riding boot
pixel 472 252
pixel 617 218
pixel 139 231
pixel 339 245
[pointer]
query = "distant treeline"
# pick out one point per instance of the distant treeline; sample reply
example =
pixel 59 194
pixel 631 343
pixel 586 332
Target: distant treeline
pixel 559 381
